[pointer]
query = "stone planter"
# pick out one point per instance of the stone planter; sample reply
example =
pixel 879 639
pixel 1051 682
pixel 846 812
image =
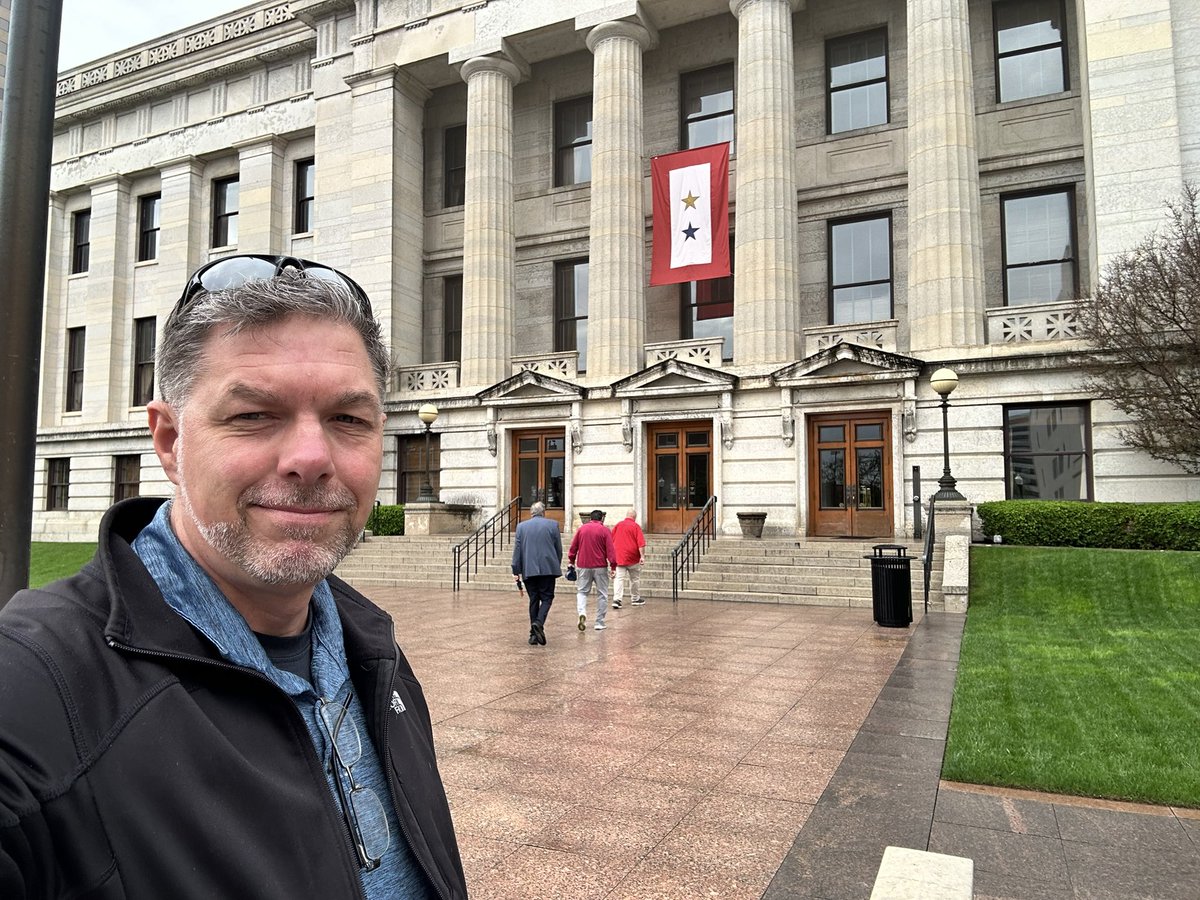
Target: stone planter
pixel 752 523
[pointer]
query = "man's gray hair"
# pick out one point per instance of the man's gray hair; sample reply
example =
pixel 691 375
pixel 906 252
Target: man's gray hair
pixel 538 509
pixel 256 304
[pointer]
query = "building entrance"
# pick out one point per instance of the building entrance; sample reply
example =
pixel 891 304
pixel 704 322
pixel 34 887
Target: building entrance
pixel 539 470
pixel 680 474
pixel 849 484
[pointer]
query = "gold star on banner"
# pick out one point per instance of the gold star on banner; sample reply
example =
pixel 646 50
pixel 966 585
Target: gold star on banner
pixel 690 200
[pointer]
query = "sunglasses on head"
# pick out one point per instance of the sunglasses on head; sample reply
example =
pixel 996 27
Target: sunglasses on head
pixel 234 271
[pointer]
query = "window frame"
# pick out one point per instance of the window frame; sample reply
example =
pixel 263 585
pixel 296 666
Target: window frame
pixel 831 90
pixel 1087 484
pixel 58 483
pixel 76 358
pixel 149 226
pixel 409 478
pixel 832 288
pixel 224 219
pixel 454 177
pixel 305 202
pixel 452 297
pixel 143 359
pixel 1073 222
pixel 689 301
pixel 685 78
pixel 81 241
pixel 125 488
pixel 997 56
pixel 566 328
pixel 562 145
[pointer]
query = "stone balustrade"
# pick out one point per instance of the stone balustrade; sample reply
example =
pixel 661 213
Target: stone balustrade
pixel 1027 324
pixel 700 351
pixel 426 378
pixel 557 365
pixel 876 335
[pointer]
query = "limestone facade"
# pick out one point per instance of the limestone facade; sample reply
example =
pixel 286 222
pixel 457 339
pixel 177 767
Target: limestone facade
pixel 882 191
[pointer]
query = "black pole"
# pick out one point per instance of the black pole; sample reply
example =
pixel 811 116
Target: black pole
pixel 947 486
pixel 427 486
pixel 26 134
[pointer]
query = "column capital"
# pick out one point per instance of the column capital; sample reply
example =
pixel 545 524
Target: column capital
pixel 736 6
pixel 192 165
pixel 493 63
pixel 389 76
pixel 637 30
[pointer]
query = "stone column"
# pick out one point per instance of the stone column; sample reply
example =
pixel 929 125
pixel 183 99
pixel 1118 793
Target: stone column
pixel 489 234
pixel 183 242
pixel 261 205
pixel 387 206
pixel 107 341
pixel 945 244
pixel 1135 128
pixel 616 264
pixel 766 284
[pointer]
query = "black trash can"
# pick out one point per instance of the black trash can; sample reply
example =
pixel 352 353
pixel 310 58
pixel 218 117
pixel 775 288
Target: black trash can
pixel 891 585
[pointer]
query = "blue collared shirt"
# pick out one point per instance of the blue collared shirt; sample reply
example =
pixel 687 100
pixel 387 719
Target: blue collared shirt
pixel 190 591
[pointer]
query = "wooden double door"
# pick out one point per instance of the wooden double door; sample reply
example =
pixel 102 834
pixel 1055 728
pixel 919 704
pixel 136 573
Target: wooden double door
pixel 680 473
pixel 849 475
pixel 539 470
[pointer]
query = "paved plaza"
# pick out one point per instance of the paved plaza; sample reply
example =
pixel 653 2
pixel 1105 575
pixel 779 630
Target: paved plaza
pixel 737 751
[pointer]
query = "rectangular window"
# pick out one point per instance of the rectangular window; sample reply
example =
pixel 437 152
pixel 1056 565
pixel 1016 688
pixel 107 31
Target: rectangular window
pixel 81 240
pixel 857 69
pixel 144 341
pixel 306 192
pixel 571 308
pixel 1040 264
pixel 454 162
pixel 573 141
pixel 706 309
pixel 225 212
pixel 860 270
pixel 75 348
pixel 411 454
pixel 58 482
pixel 706 107
pixel 1047 452
pixel 452 289
pixel 149 208
pixel 1031 53
pixel 127 477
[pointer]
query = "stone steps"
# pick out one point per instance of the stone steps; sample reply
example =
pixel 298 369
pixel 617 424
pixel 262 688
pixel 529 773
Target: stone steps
pixel 819 572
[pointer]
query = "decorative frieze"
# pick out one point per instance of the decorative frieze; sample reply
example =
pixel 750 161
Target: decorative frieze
pixel 1028 324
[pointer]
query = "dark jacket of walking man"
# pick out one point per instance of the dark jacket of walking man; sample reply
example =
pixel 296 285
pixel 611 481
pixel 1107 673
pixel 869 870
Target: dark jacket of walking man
pixel 204 710
pixel 537 559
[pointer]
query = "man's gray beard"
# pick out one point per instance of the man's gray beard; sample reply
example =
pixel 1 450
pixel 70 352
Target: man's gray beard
pixel 300 560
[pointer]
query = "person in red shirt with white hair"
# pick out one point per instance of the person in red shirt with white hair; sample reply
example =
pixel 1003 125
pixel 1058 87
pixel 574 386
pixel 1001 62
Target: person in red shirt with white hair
pixel 630 544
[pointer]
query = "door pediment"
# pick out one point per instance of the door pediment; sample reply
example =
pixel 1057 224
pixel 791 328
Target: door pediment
pixel 672 378
pixel 846 362
pixel 530 388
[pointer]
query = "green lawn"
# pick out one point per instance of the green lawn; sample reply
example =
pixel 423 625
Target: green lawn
pixel 49 561
pixel 1080 674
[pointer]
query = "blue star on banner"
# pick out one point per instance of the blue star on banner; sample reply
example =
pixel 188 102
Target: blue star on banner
pixel 690 232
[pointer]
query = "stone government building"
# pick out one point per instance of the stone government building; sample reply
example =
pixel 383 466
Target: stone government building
pixel 912 185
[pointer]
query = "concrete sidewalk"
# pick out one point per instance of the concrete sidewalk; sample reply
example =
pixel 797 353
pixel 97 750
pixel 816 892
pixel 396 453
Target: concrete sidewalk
pixel 732 750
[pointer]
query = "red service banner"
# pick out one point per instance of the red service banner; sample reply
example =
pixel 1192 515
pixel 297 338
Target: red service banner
pixel 691 215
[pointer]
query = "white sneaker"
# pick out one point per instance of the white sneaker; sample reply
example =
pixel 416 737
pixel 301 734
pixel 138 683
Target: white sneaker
pixel 600 626
pixel 616 604
pixel 638 602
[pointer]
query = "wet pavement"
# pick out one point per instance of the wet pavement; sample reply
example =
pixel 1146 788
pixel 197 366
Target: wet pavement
pixel 734 750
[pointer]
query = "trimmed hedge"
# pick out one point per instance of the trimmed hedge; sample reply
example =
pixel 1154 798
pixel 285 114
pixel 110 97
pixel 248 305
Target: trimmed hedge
pixel 1115 526
pixel 386 521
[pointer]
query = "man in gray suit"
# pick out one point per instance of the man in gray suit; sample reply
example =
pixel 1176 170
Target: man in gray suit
pixel 537 558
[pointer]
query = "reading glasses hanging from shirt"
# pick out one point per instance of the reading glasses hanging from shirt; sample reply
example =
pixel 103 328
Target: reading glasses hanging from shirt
pixel 361 807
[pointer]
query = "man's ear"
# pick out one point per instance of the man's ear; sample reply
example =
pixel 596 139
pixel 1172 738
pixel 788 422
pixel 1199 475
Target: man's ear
pixel 164 431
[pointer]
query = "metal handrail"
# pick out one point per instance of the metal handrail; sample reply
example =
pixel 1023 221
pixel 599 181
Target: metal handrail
pixel 484 539
pixel 686 555
pixel 927 559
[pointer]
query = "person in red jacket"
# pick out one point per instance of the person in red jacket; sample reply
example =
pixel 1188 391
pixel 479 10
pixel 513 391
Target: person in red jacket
pixel 630 543
pixel 594 556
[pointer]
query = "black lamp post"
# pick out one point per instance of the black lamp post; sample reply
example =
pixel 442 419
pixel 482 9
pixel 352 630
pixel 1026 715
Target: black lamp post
pixel 944 381
pixel 428 414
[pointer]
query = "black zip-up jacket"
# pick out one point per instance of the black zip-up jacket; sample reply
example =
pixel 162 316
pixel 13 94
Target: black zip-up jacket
pixel 136 763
